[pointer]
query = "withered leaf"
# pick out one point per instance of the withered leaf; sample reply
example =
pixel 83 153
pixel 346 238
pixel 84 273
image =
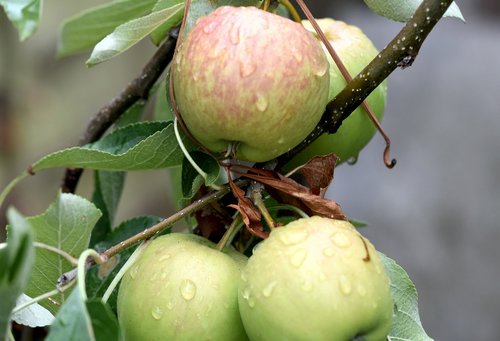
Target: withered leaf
pixel 318 173
pixel 249 213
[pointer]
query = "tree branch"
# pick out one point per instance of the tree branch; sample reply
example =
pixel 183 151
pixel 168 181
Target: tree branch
pixel 400 52
pixel 136 90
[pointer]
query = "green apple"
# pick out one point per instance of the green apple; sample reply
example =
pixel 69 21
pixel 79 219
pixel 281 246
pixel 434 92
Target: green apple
pixel 356 51
pixel 182 288
pixel 250 82
pixel 313 280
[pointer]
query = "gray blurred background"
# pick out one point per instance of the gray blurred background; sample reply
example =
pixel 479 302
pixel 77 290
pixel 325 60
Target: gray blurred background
pixel 437 212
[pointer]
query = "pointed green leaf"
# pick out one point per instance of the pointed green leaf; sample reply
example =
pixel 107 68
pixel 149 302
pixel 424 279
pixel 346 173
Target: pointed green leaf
pixel 66 225
pixel 16 262
pixel 161 32
pixel 403 10
pixel 108 187
pixel 86 29
pixel 99 277
pixel 130 33
pixel 146 145
pixel 24 14
pixel 163 109
pixel 406 324
pixel 104 322
pixel 191 180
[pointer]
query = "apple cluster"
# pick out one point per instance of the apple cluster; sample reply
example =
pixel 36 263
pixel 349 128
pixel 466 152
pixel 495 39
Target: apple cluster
pixel 314 279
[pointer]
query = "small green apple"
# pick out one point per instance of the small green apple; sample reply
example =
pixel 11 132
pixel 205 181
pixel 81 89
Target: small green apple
pixel 182 288
pixel 356 51
pixel 251 82
pixel 312 280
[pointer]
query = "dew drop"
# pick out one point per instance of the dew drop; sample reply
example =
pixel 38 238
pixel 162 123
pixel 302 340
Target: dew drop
pixel 157 313
pixel 298 56
pixel 164 257
pixel 210 27
pixel 341 240
pixel 298 258
pixel 187 289
pixel 321 70
pixel 247 68
pixel 268 290
pixel 133 271
pixel 244 277
pixel 170 305
pixel 328 251
pixel 262 103
pixel 251 302
pixel 246 293
pixel 345 285
pixel 293 237
pixel 234 34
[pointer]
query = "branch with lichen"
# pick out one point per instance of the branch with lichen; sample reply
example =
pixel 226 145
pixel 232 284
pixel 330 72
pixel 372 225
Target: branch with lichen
pixel 400 52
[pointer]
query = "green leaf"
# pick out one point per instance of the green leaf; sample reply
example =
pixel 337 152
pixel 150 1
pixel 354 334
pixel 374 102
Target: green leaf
pixel 130 33
pixel 403 10
pixel 108 187
pixel 86 29
pixel 406 324
pixel 16 262
pixel 34 315
pixel 145 145
pixel 191 180
pixel 163 109
pixel 66 225
pixel 72 322
pixel 99 277
pixel 161 32
pixel 24 14
pixel 78 320
pixel 104 321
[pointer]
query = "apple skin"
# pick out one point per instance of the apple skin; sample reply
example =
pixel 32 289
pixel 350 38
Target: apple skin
pixel 181 288
pixel 250 78
pixel 356 51
pixel 309 281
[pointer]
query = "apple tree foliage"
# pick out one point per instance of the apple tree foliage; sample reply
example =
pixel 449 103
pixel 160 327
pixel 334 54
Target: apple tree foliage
pixel 45 258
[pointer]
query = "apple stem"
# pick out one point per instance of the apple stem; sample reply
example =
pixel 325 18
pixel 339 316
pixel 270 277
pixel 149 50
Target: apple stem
pixel 256 194
pixel 230 233
pixel 291 9
pixel 265 5
pixel 128 264
pixel 347 76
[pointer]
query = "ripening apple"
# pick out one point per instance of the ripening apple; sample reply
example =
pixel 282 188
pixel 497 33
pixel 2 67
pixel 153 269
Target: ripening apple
pixel 315 279
pixel 356 51
pixel 250 83
pixel 182 288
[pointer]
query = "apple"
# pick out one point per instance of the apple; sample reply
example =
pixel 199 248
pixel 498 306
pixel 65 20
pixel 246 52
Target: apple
pixel 356 51
pixel 312 280
pixel 182 288
pixel 250 83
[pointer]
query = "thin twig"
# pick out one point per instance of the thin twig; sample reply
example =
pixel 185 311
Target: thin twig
pixel 136 90
pixel 400 52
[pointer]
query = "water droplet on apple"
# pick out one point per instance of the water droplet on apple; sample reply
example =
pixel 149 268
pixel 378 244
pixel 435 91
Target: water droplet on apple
pixel 345 285
pixel 321 69
pixel 293 237
pixel 328 251
pixel 341 240
pixel 157 313
pixel 262 102
pixel 234 34
pixel 133 271
pixel 165 257
pixel 246 293
pixel 298 258
pixel 170 305
pixel 268 290
pixel 244 277
pixel 361 290
pixel 187 289
pixel 251 302
pixel 210 27
pixel 153 277
pixel 298 56
pixel 247 68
